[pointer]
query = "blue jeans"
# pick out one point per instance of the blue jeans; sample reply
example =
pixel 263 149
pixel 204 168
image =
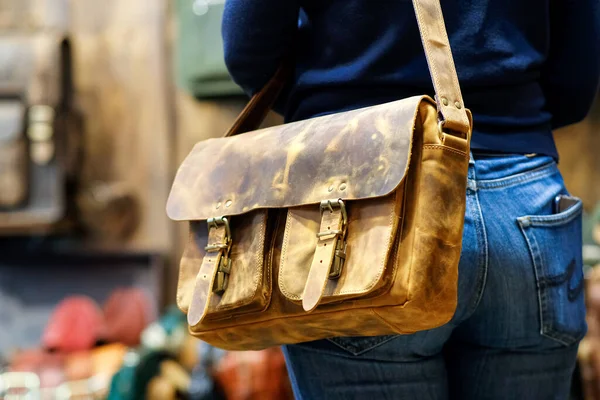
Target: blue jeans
pixel 520 313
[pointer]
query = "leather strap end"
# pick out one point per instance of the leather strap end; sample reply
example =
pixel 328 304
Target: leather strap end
pixel 322 261
pixel 202 295
pixel 318 275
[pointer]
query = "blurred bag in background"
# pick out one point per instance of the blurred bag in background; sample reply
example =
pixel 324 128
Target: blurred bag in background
pixel 39 131
pixel 254 375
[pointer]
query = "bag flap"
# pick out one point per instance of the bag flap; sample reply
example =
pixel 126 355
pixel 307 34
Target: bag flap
pixel 352 155
pixel 12 115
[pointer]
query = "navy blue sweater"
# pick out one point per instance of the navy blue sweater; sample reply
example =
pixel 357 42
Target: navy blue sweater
pixel 525 66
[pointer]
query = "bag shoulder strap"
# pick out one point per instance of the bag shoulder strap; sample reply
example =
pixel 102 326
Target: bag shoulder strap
pixel 441 65
pixel 451 107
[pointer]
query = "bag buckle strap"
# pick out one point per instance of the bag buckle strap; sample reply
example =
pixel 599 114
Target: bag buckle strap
pixel 338 203
pixel 340 249
pixel 213 275
pixel 330 253
pixel 224 247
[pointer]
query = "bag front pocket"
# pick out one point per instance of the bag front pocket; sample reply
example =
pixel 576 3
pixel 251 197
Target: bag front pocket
pixel 248 287
pixel 372 227
pixel 554 242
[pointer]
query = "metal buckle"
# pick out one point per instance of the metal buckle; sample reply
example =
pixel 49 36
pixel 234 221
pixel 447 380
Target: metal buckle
pixel 338 260
pixel 340 246
pixel 224 267
pixel 330 204
pixel 215 223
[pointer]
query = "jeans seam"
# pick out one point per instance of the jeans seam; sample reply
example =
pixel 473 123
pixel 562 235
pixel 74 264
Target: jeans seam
pixel 483 253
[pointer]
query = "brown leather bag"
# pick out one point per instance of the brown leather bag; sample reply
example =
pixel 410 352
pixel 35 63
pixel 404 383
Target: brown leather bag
pixel 343 225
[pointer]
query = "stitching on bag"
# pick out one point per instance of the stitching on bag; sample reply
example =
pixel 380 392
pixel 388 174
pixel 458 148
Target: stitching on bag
pixel 256 277
pixel 417 214
pixel 383 320
pixel 392 214
pixel 317 311
pixel 440 147
pixel 180 298
pixel 370 286
pixel 390 224
pixel 404 200
pixel 271 254
pixel 269 263
pixel 286 237
pixel 384 261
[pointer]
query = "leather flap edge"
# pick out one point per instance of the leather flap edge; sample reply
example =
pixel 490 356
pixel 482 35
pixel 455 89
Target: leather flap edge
pixel 352 155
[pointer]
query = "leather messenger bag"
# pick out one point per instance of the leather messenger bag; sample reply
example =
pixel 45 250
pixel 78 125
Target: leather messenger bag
pixel 343 225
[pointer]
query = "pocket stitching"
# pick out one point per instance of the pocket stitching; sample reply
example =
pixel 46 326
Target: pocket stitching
pixel 552 219
pixel 377 342
pixel 549 221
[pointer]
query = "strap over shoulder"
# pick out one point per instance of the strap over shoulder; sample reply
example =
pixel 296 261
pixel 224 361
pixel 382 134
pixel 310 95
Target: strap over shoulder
pixel 441 65
pixel 451 108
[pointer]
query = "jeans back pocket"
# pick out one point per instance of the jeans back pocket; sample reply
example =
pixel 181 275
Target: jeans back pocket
pixel 555 245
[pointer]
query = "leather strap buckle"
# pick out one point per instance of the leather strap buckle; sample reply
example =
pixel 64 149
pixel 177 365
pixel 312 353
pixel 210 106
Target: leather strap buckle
pixel 330 253
pixel 222 278
pixel 338 260
pixel 340 247
pixel 224 263
pixel 331 204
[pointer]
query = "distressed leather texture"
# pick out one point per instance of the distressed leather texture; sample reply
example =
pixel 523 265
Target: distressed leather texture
pixel 202 294
pixel 297 164
pixel 323 259
pixel 441 65
pixel 368 249
pixel 248 282
pixel 401 182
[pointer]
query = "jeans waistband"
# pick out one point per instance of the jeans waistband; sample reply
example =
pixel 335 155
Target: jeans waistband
pixel 498 170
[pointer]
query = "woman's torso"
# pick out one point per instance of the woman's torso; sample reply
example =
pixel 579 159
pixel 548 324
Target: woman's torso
pixel 356 53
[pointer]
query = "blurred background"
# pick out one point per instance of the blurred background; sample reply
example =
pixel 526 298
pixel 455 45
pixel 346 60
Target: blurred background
pixel 99 103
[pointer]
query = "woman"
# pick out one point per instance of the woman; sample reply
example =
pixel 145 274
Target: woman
pixel 525 67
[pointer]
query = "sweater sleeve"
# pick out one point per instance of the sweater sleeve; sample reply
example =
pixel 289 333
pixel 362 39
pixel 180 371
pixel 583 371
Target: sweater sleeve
pixel 570 76
pixel 257 35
